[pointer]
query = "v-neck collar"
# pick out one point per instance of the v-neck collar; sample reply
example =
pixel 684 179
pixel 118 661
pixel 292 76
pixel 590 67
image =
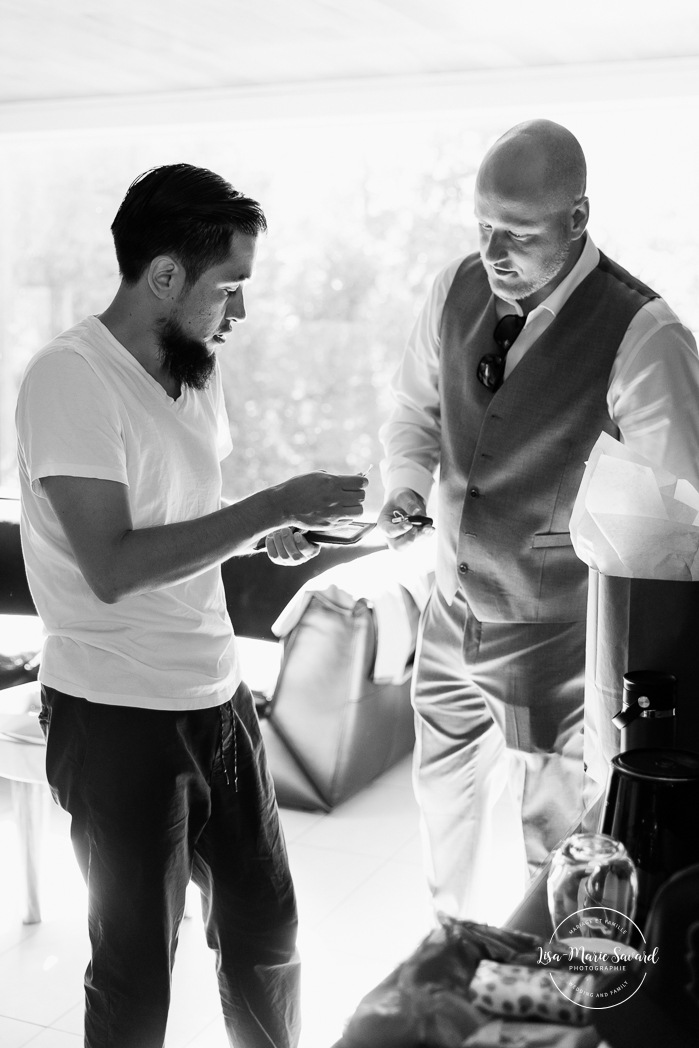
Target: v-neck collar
pixel 135 365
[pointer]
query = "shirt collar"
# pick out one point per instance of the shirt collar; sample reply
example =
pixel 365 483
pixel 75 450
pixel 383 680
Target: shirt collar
pixel 589 259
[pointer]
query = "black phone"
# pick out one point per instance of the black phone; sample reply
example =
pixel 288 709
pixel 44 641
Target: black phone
pixel 341 535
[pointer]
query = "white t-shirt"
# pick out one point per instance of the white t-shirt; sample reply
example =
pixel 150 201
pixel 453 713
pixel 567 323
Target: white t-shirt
pixel 87 408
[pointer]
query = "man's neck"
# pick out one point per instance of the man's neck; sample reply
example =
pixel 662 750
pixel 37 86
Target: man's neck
pixel 125 321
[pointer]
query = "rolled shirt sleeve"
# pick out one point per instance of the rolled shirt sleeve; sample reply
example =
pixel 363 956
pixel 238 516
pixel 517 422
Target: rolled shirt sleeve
pixel 654 391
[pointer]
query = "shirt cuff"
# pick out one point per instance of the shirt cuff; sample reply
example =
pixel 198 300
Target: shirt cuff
pixel 417 478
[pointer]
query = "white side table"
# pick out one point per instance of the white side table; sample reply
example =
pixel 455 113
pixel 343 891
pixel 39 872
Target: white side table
pixel 22 760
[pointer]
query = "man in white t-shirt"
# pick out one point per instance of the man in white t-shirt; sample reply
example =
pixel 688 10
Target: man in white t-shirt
pixel 153 744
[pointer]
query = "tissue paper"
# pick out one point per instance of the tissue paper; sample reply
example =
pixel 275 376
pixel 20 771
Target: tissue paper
pixel 634 519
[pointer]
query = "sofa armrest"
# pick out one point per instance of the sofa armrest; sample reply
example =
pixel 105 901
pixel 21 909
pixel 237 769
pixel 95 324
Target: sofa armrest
pixel 257 590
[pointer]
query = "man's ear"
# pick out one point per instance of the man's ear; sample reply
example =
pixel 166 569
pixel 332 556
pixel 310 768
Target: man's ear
pixel 165 276
pixel 580 217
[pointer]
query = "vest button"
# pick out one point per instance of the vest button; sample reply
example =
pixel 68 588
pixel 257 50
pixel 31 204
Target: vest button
pixel 463 568
pixel 475 493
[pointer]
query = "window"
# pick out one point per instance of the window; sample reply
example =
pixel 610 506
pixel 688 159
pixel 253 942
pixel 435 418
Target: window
pixel 362 214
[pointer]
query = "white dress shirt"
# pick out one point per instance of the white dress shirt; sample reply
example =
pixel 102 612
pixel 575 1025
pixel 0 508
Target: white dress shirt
pixel 653 393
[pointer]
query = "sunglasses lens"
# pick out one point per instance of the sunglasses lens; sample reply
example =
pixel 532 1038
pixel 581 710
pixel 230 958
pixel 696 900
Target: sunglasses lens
pixel 491 368
pixel 490 371
pixel 507 329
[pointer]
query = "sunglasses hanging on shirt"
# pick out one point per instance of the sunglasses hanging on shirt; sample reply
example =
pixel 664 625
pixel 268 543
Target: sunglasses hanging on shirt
pixel 491 367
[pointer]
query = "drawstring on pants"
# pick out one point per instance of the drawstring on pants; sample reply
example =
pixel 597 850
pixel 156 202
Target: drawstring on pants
pixel 234 727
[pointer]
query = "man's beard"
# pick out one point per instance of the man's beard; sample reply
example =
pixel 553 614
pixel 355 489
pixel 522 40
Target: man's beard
pixel 515 291
pixel 187 360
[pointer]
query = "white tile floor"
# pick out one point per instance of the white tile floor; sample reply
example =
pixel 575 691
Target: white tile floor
pixel 363 908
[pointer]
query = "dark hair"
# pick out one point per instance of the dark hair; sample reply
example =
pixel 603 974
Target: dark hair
pixel 184 211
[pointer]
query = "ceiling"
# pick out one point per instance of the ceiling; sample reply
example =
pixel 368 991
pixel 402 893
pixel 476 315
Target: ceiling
pixel 98 51
pixel 85 48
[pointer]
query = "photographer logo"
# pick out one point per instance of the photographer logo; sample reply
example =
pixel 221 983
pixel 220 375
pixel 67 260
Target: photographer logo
pixel 590 962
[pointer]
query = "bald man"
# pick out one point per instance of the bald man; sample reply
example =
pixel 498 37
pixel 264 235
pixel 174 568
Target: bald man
pixel 521 357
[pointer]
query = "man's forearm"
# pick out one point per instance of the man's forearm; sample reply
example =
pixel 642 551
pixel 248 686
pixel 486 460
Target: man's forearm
pixel 118 560
pixel 149 558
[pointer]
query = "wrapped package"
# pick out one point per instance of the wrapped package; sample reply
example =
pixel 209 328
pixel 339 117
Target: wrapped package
pixel 458 979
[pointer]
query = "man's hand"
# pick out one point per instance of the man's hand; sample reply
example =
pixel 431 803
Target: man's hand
pixel 118 560
pixel 289 547
pixel 319 499
pixel 401 504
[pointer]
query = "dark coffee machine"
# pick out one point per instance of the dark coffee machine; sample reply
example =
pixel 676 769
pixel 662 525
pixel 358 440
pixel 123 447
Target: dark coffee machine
pixel 647 716
pixel 652 807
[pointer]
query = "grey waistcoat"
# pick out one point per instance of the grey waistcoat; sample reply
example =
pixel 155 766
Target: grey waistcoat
pixel 512 461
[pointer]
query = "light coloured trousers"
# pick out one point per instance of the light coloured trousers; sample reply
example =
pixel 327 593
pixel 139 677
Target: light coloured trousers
pixel 499 711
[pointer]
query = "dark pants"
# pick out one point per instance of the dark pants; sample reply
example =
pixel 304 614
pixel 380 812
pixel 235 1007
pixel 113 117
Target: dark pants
pixel 158 798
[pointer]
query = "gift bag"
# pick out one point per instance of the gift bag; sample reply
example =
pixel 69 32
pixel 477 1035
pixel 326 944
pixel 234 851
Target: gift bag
pixel 331 727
